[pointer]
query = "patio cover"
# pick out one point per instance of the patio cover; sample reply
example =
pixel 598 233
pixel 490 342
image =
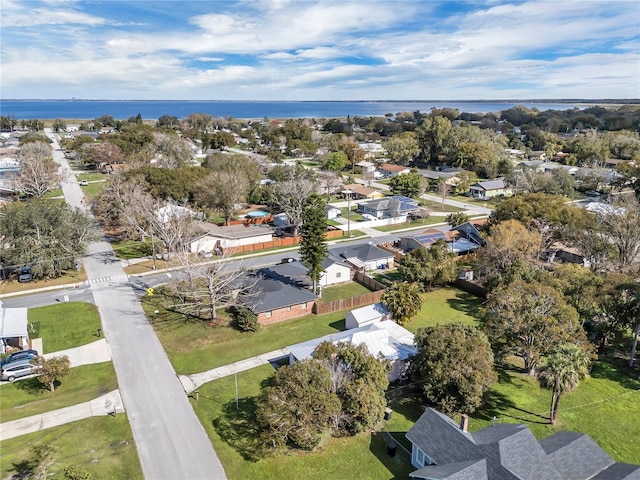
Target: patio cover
pixel 13 323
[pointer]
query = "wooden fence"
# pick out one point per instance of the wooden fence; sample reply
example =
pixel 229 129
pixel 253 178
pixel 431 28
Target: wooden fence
pixel 367 281
pixel 280 242
pixel 320 308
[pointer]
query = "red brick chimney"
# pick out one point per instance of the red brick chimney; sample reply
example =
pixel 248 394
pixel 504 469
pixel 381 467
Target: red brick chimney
pixel 464 422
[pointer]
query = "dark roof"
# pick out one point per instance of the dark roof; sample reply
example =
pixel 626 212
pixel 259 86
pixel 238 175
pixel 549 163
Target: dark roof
pixel 382 204
pixel 497 184
pixel 366 252
pixel 330 260
pixel 469 470
pixel 271 294
pixel 511 453
pixel 575 455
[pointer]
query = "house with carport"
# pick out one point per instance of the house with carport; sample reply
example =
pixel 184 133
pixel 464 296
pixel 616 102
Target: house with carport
pixel 490 189
pixel 389 170
pixel 210 238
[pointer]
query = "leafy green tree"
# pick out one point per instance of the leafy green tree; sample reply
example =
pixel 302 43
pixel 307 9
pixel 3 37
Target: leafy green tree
pixel 360 381
pixel 453 367
pixel 223 191
pixel 402 148
pixel 51 369
pixel 335 161
pixel 299 406
pixel 433 266
pixel 531 320
pixel 457 218
pixel 168 121
pixel 564 369
pixel 46 235
pixel 408 184
pixel 433 136
pixel 403 300
pixel 622 307
pixel 313 243
pixel 245 319
pixel 59 125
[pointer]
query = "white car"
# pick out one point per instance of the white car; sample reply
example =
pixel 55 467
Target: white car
pixel 84 183
pixel 368 217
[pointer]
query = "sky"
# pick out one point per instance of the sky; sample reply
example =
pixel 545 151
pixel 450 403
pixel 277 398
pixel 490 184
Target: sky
pixel 319 50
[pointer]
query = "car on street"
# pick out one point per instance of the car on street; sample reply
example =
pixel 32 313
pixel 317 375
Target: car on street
pixel 19 355
pixel 14 370
pixel 287 260
pixel 84 183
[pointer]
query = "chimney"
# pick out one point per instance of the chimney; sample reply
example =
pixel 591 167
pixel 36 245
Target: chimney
pixel 464 422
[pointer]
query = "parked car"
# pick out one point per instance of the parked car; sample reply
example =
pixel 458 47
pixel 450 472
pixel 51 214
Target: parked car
pixel 25 275
pixel 368 217
pixel 17 369
pixel 84 183
pixel 287 260
pixel 20 355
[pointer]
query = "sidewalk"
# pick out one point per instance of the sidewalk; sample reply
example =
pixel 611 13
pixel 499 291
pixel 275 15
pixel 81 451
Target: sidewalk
pixel 191 382
pixel 108 404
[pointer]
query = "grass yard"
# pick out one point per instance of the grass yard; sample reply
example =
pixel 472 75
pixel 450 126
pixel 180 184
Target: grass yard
pixel 411 224
pixel 440 207
pixel 355 216
pixel 193 346
pixel 103 446
pixel 93 177
pixel 132 249
pixel 66 325
pixel 233 435
pixel 27 397
pixel 344 290
pixel 93 190
pixel 446 305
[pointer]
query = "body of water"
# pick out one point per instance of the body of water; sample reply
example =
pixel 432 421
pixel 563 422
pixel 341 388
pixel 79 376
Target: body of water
pixel 153 109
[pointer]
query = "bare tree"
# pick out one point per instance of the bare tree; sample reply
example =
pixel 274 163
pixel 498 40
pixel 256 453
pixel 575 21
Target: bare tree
pixel 330 181
pixel 171 151
pixel 291 194
pixel 38 172
pixel 212 284
pixel 223 190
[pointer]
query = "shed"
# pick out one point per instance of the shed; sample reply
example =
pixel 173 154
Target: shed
pixel 366 315
pixel 332 212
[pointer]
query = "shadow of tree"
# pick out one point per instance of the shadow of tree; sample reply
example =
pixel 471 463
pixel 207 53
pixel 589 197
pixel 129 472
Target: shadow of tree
pixel 23 470
pixel 497 405
pixel 466 303
pixel 399 465
pixel 237 427
pixel 616 369
pixel 31 386
pixel 407 402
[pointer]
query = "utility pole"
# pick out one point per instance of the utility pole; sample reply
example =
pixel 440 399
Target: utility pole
pixel 348 192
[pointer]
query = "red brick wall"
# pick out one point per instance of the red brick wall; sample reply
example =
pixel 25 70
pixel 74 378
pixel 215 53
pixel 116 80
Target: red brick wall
pixel 286 313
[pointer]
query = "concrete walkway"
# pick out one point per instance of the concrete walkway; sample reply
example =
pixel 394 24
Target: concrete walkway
pixel 191 382
pixel 108 404
pixel 94 352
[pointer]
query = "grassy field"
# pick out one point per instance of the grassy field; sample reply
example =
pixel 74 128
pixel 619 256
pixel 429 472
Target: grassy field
pixel 29 397
pixel 233 435
pixel 103 446
pixel 66 325
pixel 194 346
pixel 440 207
pixel 446 305
pixel 345 290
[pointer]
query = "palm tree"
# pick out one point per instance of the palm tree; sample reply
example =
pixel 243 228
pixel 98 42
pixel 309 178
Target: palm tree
pixel 565 368
pixel 403 300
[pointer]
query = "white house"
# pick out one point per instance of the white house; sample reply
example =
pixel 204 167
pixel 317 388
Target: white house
pixel 366 316
pixel 14 330
pixel 334 271
pixel 368 257
pixel 385 338
pixel 332 212
pixel 214 237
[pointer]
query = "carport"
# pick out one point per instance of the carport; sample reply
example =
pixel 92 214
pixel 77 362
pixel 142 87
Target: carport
pixel 14 331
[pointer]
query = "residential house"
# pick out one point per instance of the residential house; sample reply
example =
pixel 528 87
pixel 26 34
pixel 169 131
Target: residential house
pixel 367 315
pixel 372 150
pixel 613 162
pixel 389 170
pixel 490 189
pixel 274 297
pixel 559 251
pixel 14 331
pixel 212 238
pixel 334 271
pixel 358 191
pixel 385 338
pixel 538 155
pixel 442 449
pixel 386 207
pixel 368 257
pixel 449 176
pixel 366 167
pixel 458 240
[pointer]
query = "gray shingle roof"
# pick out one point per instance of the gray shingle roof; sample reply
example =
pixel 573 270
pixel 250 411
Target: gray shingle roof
pixel 271 294
pixel 575 455
pixel 366 253
pixel 512 452
pixel 497 184
pixel 470 470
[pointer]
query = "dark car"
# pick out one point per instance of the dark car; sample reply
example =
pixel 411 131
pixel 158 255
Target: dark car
pixel 287 260
pixel 20 355
pixel 17 369
pixel 25 275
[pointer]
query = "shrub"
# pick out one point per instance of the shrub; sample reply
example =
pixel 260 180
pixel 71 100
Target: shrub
pixel 245 320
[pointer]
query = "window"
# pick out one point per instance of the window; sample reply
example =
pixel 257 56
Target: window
pixel 304 306
pixel 267 314
pixel 420 459
pixel 338 274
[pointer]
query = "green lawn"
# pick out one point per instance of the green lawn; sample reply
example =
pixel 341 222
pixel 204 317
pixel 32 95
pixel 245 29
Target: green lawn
pixel 344 290
pixel 411 224
pixel 132 249
pixel 446 305
pixel 27 397
pixel 355 216
pixel 440 207
pixel 103 446
pixel 66 325
pixel 93 176
pixel 233 435
pixel 193 346
pixel 94 189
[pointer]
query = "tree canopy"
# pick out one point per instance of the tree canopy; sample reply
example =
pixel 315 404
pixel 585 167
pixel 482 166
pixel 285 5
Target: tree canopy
pixel 403 300
pixel 453 366
pixel 433 266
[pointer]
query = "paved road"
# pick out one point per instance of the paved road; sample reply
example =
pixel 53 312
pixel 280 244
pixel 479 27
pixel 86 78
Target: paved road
pixel 171 442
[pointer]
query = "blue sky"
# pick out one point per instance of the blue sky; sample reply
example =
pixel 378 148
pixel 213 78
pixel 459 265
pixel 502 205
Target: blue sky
pixel 320 50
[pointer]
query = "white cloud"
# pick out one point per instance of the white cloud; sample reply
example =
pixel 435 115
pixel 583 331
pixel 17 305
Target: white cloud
pixel 16 14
